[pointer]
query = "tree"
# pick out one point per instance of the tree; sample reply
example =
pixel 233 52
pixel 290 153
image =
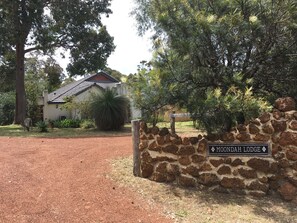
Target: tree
pixel 206 45
pixel 40 75
pixel 45 25
pixel 54 74
pixel 110 110
pixel 147 91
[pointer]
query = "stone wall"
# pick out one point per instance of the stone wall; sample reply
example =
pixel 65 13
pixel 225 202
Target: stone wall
pixel 166 157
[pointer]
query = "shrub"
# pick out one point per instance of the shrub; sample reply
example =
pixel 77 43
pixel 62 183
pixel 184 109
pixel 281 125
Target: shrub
pixel 7 107
pixel 42 126
pixel 67 123
pixel 87 124
pixel 220 112
pixel 110 110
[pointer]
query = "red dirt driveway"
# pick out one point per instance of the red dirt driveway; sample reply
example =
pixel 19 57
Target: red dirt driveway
pixel 65 180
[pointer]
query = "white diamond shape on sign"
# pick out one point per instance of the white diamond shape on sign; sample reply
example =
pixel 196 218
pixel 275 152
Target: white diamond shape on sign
pixel 264 149
pixel 213 149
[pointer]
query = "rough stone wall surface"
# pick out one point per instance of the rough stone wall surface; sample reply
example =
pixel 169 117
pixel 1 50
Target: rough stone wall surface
pixel 166 157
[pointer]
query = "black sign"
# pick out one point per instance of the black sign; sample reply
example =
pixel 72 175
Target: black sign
pixel 238 149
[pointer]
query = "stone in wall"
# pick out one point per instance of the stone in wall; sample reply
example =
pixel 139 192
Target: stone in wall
pixel 155 130
pixel 285 104
pixel 186 141
pixel 176 141
pixel 237 162
pixel 277 114
pixel 184 160
pixel 291 155
pixel 227 137
pixel 159 177
pixel 232 183
pixel 243 137
pixel 287 191
pixel 256 185
pixel 288 138
pixel 154 147
pixel 259 164
pixel 202 146
pixel 265 117
pixel 253 129
pixel 198 158
pixel 164 159
pixel 241 128
pixel 193 140
pixel 147 169
pixel 193 171
pixel 261 137
pixel 146 157
pixel 143 145
pixel 186 181
pixel 205 167
pixel 162 167
pixel 279 126
pixel 268 129
pixel 170 149
pixel 208 179
pixel 224 170
pixel 293 125
pixel 215 162
pixel 163 132
pixel 186 150
pixel 294 166
pixel 246 173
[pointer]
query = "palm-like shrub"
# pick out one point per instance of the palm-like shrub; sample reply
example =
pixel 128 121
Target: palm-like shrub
pixel 110 110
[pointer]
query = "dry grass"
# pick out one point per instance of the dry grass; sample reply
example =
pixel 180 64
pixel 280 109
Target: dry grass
pixel 197 205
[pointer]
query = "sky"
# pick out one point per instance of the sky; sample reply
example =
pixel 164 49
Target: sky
pixel 130 48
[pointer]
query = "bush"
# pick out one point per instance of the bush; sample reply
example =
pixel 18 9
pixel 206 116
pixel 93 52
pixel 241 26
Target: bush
pixel 67 123
pixel 220 112
pixel 110 110
pixel 7 107
pixel 87 124
pixel 42 126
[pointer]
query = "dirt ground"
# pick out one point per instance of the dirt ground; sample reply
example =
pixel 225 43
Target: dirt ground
pixel 65 180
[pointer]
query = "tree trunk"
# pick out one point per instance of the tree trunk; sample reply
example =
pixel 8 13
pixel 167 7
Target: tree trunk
pixel 20 108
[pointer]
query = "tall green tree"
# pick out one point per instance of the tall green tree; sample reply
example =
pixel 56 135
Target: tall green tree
pixel 147 91
pixel 45 25
pixel 206 46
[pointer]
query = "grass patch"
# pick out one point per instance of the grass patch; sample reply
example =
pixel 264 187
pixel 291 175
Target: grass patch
pixel 18 131
pixel 182 128
pixel 186 205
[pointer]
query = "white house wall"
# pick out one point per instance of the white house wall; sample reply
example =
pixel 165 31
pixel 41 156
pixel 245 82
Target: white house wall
pixel 84 96
pixel 55 112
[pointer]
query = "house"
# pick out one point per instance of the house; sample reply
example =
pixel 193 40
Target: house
pixel 80 91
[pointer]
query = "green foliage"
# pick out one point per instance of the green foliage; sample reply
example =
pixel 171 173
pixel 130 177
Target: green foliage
pixel 7 107
pixel 82 109
pixel 220 112
pixel 44 26
pixel 42 126
pixel 87 124
pixel 147 92
pixel 110 110
pixel 206 47
pixel 67 123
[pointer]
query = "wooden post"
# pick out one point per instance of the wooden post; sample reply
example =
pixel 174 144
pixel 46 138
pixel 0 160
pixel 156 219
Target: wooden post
pixel 172 122
pixel 135 141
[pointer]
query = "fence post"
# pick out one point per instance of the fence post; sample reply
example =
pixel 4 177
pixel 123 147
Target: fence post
pixel 172 122
pixel 135 141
